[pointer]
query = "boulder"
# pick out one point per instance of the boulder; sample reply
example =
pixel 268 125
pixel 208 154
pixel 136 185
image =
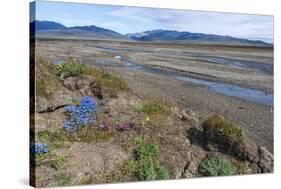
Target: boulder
pixel 77 82
pixel 265 162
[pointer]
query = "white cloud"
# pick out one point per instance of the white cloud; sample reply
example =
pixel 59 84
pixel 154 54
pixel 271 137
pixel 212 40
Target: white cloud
pixel 237 25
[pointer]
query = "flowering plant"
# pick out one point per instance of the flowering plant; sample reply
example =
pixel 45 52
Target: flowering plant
pixel 81 114
pixel 39 148
pixel 105 124
pixel 124 127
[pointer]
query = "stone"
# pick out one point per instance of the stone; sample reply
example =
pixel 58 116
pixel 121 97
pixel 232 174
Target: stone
pixel 97 90
pixel 255 168
pixel 266 160
pixel 58 100
pixel 77 82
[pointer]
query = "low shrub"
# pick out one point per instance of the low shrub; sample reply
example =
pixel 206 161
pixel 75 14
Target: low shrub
pixel 216 166
pixel 219 126
pixel 69 68
pixel 108 80
pixel 228 137
pixel 149 168
pixel 46 81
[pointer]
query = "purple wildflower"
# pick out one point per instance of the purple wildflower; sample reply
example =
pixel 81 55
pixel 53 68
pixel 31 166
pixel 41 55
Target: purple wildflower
pixel 122 127
pixel 105 124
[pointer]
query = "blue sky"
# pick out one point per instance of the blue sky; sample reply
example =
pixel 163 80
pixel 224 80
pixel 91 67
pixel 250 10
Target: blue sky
pixel 132 19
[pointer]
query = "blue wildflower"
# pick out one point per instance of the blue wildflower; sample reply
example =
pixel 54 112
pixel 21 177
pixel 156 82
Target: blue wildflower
pixel 81 114
pixel 39 148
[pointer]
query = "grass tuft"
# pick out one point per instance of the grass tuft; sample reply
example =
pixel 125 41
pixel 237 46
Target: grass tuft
pixel 229 132
pixel 147 156
pixel 69 68
pixel 62 178
pixel 46 80
pixel 59 163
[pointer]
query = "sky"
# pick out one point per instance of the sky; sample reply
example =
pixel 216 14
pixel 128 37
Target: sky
pixel 125 20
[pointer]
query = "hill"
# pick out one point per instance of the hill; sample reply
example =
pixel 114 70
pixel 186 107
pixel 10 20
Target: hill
pixel 168 35
pixel 48 29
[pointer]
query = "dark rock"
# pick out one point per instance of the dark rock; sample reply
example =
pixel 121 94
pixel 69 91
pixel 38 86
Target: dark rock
pixel 58 100
pixel 78 82
pixel 266 160
pixel 97 90
pixel 212 147
pixel 255 168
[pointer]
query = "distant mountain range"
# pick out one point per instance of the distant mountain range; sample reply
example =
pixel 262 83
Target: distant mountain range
pixel 47 29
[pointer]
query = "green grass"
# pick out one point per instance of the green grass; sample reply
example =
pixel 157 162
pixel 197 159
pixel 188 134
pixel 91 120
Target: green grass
pixel 43 136
pixel 69 68
pixel 62 138
pixel 144 165
pixel 152 107
pixel 59 163
pixel 56 139
pixel 147 156
pixel 138 108
pixel 62 178
pixel 108 80
pixel 216 166
pixel 46 80
pixel 39 158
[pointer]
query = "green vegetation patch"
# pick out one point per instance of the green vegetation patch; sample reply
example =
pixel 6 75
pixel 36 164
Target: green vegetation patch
pixel 61 138
pixel 144 165
pixel 46 80
pixel 147 156
pixel 218 129
pixel 69 68
pixel 59 163
pixel 216 166
pixel 108 80
pixel 56 139
pixel 62 178
pixel 152 107
pixel 39 158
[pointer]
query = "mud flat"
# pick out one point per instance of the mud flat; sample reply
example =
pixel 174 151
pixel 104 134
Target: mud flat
pixel 250 68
